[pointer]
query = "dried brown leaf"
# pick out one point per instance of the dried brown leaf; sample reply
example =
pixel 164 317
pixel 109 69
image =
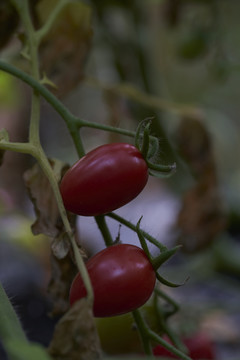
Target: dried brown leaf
pixel 75 336
pixel 48 220
pixel 64 50
pixel 202 215
pixel 62 273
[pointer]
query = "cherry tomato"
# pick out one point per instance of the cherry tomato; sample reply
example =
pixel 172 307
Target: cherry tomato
pixel 122 277
pixel 105 179
pixel 199 345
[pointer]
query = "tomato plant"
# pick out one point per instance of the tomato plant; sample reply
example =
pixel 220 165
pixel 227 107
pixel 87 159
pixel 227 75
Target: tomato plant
pixel 122 277
pixel 199 345
pixel 105 179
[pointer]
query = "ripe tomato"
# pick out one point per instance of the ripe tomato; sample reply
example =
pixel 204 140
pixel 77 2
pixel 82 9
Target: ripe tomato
pixel 105 179
pixel 199 345
pixel 122 277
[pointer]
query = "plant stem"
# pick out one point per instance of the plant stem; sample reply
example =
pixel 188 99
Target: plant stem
pixel 101 222
pixel 25 148
pixel 50 21
pixel 33 56
pixel 34 138
pixel 156 338
pixel 43 162
pixel 131 92
pixel 72 121
pixel 143 331
pixel 134 228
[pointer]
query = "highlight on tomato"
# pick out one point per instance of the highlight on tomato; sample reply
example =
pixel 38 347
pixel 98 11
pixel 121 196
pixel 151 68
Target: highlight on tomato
pixel 105 179
pixel 122 277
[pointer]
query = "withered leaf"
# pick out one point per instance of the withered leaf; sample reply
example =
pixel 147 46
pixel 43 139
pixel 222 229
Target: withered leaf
pixel 202 215
pixel 75 336
pixel 64 50
pixel 48 220
pixel 62 273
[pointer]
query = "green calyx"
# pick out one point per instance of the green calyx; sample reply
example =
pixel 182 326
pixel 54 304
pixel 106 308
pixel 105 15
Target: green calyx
pixel 159 260
pixel 148 145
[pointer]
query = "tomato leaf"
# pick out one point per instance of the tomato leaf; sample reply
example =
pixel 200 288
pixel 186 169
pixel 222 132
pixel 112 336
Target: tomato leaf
pixel 75 336
pixel 12 335
pixel 64 50
pixel 10 326
pixel 21 350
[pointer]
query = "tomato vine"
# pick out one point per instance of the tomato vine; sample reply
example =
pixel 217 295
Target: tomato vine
pixel 147 144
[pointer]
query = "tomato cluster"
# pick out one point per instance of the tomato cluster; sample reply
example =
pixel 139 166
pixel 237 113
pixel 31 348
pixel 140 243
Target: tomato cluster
pixel 122 277
pixel 105 179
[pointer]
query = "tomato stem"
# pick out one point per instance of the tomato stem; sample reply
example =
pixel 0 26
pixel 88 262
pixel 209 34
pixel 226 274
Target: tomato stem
pixel 142 239
pixel 40 33
pixel 166 297
pixel 102 225
pixel 143 331
pixel 146 140
pixel 156 338
pixel 34 146
pixel 162 315
pixel 133 227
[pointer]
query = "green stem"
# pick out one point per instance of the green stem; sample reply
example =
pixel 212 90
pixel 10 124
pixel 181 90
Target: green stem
pixel 134 228
pixel 50 21
pixel 72 121
pixel 34 138
pixel 94 125
pixel 161 316
pixel 168 299
pixel 43 162
pixel 33 56
pixel 25 148
pixel 143 331
pixel 102 225
pixel 156 338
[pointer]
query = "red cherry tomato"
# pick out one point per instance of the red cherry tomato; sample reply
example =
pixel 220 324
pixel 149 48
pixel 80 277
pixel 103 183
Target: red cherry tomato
pixel 122 277
pixel 105 179
pixel 199 345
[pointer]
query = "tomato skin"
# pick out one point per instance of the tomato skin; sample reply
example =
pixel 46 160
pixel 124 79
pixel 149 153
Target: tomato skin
pixel 200 347
pixel 122 277
pixel 105 179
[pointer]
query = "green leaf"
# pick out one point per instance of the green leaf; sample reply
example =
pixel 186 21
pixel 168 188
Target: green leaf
pixel 12 335
pixel 10 326
pixel 21 350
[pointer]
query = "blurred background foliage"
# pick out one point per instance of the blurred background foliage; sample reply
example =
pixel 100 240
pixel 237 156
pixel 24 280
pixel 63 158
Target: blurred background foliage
pixel 118 62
